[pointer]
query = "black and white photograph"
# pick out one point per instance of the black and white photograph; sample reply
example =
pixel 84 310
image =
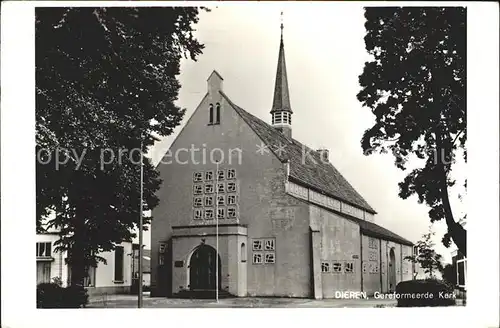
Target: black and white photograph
pixel 251 155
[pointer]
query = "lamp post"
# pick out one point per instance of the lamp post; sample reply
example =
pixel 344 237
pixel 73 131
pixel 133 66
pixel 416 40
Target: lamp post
pixel 217 233
pixel 139 300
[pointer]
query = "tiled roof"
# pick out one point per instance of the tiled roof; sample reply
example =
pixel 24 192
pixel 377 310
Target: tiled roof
pixel 374 230
pixel 309 171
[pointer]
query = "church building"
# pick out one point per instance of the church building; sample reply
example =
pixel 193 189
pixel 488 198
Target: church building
pixel 248 210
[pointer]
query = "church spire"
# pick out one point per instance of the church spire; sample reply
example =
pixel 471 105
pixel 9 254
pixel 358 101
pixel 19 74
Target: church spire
pixel 281 110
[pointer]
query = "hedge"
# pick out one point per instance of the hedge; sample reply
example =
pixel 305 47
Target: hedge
pixel 51 295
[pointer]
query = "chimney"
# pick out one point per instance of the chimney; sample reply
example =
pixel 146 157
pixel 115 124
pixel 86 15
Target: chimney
pixel 324 155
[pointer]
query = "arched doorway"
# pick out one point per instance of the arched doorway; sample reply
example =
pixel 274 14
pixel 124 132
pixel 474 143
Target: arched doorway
pixel 202 272
pixel 392 270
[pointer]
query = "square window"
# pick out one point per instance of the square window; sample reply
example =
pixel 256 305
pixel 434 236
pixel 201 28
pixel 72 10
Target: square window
pixel 269 245
pixel 209 188
pixel 257 258
pixel 198 214
pixel 325 267
pixel 365 267
pixel 269 258
pixel 209 201
pixel 198 189
pixel 337 267
pixel 209 214
pixel 209 176
pixel 231 187
pixel 221 200
pixel 231 199
pixel 221 213
pixel 221 188
pixel 198 202
pixel 220 175
pixel 231 213
pixel 197 177
pixel 257 245
pixel 231 173
pixel 349 267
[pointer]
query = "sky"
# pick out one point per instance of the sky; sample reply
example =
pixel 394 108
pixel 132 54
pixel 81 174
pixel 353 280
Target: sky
pixel 325 54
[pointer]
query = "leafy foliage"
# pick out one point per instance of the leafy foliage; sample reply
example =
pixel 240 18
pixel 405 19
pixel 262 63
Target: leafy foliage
pixel 427 257
pixel 415 86
pixel 106 79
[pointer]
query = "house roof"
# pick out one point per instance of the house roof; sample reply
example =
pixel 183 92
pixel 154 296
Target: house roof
pixel 306 166
pixel 374 230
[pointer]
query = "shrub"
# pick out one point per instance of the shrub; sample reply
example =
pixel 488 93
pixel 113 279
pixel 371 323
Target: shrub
pixel 52 295
pixel 428 292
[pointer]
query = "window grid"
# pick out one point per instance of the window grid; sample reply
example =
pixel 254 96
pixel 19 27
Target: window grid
pixel 267 245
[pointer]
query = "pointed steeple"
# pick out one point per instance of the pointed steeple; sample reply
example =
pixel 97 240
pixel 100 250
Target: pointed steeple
pixel 281 99
pixel 281 110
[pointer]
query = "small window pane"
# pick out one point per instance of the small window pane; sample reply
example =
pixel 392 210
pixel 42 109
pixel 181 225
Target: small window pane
pixel 221 200
pixel 221 213
pixel 231 199
pixel 198 189
pixel 231 173
pixel 198 214
pixel 349 267
pixel 209 214
pixel 221 187
pixel 269 258
pixel 325 267
pixel 209 188
pixel 269 245
pixel 209 201
pixel 198 202
pixel 231 186
pixel 257 245
pixel 231 212
pixel 337 267
pixel 197 177
pixel 220 175
pixel 257 258
pixel 209 176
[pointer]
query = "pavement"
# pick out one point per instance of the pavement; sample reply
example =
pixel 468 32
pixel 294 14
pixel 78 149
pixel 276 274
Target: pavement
pixel 130 301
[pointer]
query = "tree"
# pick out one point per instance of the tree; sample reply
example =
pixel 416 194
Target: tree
pixel 415 85
pixel 428 259
pixel 106 83
pixel 450 274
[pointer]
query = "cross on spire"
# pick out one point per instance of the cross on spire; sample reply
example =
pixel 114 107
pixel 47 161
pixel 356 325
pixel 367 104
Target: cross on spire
pixel 281 26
